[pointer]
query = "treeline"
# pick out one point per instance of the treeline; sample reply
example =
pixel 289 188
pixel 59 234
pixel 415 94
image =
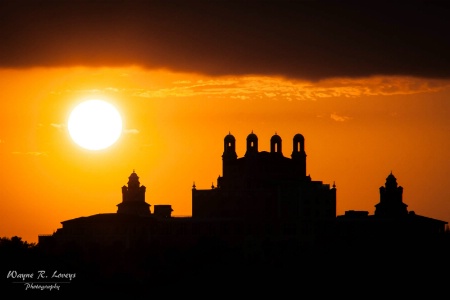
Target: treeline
pixel 419 263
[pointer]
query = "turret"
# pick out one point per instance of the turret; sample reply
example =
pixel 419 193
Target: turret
pixel 133 197
pixel 391 199
pixel 229 155
pixel 299 154
pixel 275 144
pixel 134 191
pixel 229 148
pixel 252 145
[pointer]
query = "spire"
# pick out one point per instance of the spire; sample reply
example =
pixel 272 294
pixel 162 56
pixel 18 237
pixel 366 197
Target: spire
pixel 391 202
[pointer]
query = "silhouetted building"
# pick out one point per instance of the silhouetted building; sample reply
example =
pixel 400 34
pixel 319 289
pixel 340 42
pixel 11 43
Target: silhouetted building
pixel 163 210
pixel 391 221
pixel 391 200
pixel 265 186
pixel 265 210
pixel 133 224
pixel 133 198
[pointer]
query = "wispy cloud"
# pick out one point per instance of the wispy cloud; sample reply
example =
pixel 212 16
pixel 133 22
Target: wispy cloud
pixel 339 118
pixel 275 88
pixel 32 153
pixel 130 131
pixel 58 126
pixel 253 87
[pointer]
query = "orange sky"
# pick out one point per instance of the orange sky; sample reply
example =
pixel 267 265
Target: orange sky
pixel 367 85
pixel 356 132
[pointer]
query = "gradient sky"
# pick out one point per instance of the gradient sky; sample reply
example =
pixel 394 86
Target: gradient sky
pixel 367 85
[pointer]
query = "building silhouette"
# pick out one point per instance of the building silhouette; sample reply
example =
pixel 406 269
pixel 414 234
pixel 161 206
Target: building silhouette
pixel 133 198
pixel 265 212
pixel 391 224
pixel 265 186
pixel 261 196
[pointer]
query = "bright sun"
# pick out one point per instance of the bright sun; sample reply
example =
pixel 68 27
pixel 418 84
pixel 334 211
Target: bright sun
pixel 95 124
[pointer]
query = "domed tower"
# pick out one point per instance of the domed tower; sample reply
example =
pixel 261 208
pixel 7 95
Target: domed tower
pixel 229 155
pixel 229 147
pixel 252 145
pixel 133 197
pixel 391 199
pixel 275 144
pixel 299 154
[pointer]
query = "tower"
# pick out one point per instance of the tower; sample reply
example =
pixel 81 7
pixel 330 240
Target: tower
pixel 133 198
pixel 229 148
pixel 252 145
pixel 298 154
pixel 275 144
pixel 391 202
pixel 229 155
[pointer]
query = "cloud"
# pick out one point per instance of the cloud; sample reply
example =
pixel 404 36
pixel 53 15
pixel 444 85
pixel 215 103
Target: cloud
pixel 272 88
pixel 58 126
pixel 260 87
pixel 338 118
pixel 32 153
pixel 111 89
pixel 293 39
pixel 130 131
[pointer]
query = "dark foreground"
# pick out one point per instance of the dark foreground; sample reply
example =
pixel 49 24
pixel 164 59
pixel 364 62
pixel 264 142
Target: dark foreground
pixel 212 270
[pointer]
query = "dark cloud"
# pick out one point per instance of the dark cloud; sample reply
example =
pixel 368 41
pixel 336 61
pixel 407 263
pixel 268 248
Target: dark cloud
pixel 298 39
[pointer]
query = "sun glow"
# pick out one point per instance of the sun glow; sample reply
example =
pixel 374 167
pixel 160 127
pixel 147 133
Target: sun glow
pixel 95 124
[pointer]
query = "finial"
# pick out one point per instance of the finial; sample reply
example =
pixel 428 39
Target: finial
pixel 334 184
pixel 193 186
pixel 212 185
pixel 229 132
pixel 133 171
pixel 252 130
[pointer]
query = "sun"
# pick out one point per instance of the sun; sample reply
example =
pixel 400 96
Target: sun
pixel 95 124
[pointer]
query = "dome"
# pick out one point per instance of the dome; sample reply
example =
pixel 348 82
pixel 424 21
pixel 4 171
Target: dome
pixel 252 136
pixel 391 177
pixel 133 175
pixel 229 138
pixel 276 138
pixel 298 137
pixel 391 181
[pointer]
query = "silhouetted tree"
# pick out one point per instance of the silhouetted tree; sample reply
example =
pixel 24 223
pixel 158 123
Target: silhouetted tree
pixel 16 252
